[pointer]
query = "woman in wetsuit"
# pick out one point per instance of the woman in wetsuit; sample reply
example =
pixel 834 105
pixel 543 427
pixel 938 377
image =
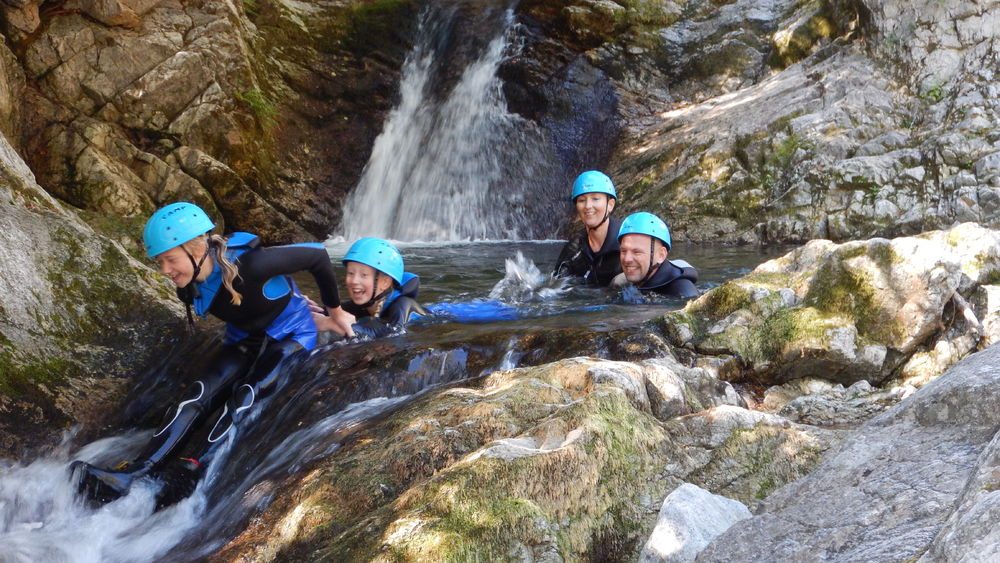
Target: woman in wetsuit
pixel 593 256
pixel 382 295
pixel 267 322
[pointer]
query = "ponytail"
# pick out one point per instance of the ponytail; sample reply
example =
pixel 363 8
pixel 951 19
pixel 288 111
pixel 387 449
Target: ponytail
pixel 217 246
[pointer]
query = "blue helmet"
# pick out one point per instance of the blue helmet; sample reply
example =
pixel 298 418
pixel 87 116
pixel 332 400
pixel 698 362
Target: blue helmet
pixel 379 254
pixel 591 182
pixel 174 225
pixel 644 223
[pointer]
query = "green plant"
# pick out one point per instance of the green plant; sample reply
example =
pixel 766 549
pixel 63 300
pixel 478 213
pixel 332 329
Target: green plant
pixel 261 105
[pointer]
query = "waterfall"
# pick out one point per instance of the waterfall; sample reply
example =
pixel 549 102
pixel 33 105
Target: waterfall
pixel 456 166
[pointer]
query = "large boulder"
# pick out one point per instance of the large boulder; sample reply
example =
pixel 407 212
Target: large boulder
pixel 559 461
pixel 79 315
pixel 915 482
pixel 849 312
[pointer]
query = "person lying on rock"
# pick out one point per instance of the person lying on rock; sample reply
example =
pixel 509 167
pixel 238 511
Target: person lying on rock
pixel 593 256
pixel 382 295
pixel 644 243
pixel 267 322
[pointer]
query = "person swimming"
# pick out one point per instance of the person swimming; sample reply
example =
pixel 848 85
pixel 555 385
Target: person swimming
pixel 267 323
pixel 383 296
pixel 593 256
pixel 644 244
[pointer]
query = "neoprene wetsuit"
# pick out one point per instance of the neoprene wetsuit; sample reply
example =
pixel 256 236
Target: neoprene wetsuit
pixel 262 334
pixel 673 279
pixel 399 308
pixel 596 268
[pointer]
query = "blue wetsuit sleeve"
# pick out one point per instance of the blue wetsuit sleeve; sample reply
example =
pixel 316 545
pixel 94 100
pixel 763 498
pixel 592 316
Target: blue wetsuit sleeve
pixel 269 262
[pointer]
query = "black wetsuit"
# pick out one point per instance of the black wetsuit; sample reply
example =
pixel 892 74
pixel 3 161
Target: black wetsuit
pixel 263 333
pixel 596 268
pixel 673 280
pixel 399 308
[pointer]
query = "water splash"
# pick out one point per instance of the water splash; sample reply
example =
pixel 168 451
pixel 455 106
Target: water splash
pixel 43 519
pixel 460 169
pixel 524 283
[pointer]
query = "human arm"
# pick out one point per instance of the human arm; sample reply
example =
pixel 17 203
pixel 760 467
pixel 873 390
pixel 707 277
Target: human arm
pixel 268 262
pixel 336 320
pixel 570 261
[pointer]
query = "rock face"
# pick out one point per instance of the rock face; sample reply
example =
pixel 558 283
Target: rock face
pixel 915 482
pixel 850 312
pixel 766 120
pixel 78 315
pixel 137 103
pixel 689 520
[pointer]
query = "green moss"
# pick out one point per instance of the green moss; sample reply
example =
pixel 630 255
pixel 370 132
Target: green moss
pixel 366 27
pixel 755 461
pixel 766 342
pixel 839 290
pixel 20 375
pixel 722 301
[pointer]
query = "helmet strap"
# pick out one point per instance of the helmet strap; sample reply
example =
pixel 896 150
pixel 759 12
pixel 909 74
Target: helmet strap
pixel 607 213
pixel 196 265
pixel 652 267
pixel 376 297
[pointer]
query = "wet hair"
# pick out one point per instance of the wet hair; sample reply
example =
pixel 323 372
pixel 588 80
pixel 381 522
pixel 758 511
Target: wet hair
pixel 216 245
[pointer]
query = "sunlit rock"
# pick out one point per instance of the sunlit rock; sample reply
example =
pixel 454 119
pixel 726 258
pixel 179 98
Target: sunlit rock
pixel 860 310
pixel 913 482
pixel 689 520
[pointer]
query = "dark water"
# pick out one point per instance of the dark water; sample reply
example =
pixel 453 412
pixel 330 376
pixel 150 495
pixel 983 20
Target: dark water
pixel 327 395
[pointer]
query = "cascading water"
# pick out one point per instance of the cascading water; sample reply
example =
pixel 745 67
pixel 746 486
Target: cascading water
pixel 456 168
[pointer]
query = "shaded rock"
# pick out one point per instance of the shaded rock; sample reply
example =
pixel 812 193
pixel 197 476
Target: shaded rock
pixel 890 488
pixel 79 315
pixel 843 407
pixel 986 302
pixel 11 94
pixel 961 336
pixel 689 520
pixel 159 75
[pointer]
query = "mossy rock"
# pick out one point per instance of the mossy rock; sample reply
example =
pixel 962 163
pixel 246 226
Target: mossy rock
pixel 534 460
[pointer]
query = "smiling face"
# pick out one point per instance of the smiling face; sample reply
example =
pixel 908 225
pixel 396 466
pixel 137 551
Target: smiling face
pixel 591 208
pixel 635 257
pixel 359 281
pixel 176 265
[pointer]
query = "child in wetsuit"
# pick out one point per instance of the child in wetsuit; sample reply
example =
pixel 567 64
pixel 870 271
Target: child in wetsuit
pixel 382 295
pixel 267 321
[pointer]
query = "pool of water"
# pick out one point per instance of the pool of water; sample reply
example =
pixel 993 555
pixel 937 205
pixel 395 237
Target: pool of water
pixel 326 396
pixel 517 273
